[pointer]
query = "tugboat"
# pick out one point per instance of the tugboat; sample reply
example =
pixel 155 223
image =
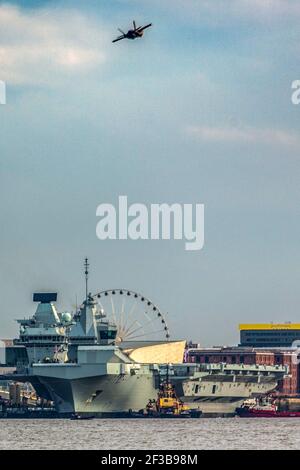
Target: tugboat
pixel 265 407
pixel 167 404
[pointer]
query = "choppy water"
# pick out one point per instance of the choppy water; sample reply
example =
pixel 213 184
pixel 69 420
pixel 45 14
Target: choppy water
pixel 229 433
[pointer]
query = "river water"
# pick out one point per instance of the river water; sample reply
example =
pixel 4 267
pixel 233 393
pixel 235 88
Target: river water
pixel 218 433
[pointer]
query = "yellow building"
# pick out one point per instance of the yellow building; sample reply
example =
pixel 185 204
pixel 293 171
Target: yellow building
pixel 263 335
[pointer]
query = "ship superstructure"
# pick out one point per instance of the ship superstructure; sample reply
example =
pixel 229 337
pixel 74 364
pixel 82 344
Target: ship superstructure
pixel 45 335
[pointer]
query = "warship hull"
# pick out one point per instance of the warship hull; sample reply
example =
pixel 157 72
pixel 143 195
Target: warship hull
pixel 117 395
pixel 225 387
pixel 104 395
pixel 103 380
pixel 121 388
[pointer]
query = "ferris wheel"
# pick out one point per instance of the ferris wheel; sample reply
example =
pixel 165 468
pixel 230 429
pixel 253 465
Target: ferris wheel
pixel 136 317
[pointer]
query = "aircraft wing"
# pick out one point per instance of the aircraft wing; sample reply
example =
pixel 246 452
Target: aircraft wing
pixel 119 38
pixel 141 28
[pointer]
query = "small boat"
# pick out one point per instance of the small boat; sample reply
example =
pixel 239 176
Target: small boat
pixel 81 417
pixel 265 408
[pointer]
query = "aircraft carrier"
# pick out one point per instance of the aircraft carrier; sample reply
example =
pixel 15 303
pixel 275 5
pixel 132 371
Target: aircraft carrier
pixel 99 362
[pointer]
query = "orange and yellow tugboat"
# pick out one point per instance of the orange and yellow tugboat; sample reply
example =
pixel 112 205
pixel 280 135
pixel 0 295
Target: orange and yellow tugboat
pixel 168 405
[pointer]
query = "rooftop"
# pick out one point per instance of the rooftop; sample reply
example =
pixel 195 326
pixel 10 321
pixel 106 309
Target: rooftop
pixel 269 326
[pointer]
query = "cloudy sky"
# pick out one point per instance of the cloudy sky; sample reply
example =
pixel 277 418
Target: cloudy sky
pixel 199 111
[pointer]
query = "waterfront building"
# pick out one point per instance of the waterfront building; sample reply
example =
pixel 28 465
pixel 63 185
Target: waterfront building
pixel 269 335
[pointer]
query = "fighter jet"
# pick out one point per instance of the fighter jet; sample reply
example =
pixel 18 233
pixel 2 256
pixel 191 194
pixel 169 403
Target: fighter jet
pixel 136 32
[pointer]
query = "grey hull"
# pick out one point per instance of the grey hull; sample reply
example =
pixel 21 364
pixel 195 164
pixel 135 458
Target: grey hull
pixel 102 394
pixel 105 380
